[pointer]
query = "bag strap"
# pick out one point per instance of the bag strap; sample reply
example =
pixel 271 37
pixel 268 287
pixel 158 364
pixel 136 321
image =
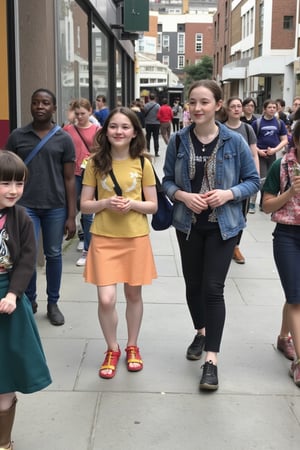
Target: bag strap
pixel 148 110
pixel 42 142
pixel 157 180
pixel 82 138
pixel 247 131
pixel 117 188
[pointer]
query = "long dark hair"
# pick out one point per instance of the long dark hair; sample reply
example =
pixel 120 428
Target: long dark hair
pixel 102 157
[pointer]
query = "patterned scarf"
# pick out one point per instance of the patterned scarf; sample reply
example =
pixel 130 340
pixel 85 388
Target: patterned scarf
pixel 208 182
pixel 290 212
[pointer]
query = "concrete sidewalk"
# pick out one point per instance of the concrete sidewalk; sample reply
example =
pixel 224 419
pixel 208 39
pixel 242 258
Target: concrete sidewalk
pixel 257 405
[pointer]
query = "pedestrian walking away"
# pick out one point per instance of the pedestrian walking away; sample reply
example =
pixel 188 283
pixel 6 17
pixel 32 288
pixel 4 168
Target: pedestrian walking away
pixel 152 124
pixel 165 116
pixel 49 195
pixel 23 363
pixel 120 249
pixel 202 176
pixel 281 198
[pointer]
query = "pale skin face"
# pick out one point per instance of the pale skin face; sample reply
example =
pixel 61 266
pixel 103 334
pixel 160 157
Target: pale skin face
pixel 203 106
pixel 234 110
pixel 10 193
pixel 249 110
pixel 82 116
pixel 120 132
pixel 270 110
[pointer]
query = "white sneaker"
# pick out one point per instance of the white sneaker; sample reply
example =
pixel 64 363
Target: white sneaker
pixel 81 261
pixel 80 246
pixel 252 208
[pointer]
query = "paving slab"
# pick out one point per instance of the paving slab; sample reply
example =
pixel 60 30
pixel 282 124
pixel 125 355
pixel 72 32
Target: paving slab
pixel 256 407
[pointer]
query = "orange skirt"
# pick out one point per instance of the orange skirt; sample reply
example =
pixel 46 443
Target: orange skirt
pixel 120 260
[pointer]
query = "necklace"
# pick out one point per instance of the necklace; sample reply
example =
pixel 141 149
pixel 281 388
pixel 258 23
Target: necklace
pixel 210 139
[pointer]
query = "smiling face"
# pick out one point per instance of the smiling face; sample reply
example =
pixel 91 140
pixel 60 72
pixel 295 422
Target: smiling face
pixel 10 193
pixel 42 107
pixel 202 105
pixel 120 131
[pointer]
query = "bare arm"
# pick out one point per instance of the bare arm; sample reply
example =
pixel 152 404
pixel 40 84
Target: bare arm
pixel 89 205
pixel 272 203
pixel 254 151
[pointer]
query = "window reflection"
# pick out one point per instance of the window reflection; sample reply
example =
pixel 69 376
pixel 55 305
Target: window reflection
pixel 119 77
pixel 72 52
pixel 100 62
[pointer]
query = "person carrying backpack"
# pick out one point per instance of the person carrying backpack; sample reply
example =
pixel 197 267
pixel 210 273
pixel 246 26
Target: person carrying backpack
pixel 271 138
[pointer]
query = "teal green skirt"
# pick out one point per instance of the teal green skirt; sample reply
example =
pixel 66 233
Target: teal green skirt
pixel 23 366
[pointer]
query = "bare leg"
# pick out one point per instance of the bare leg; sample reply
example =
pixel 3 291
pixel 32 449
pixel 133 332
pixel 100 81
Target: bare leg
pixel 211 356
pixel 108 317
pixel 293 314
pixel 134 312
pixel 284 331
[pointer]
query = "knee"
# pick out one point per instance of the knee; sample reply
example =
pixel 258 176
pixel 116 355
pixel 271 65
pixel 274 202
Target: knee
pixel 133 297
pixel 106 302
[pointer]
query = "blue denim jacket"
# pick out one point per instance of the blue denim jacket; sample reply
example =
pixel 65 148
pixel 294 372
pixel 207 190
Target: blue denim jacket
pixel 234 163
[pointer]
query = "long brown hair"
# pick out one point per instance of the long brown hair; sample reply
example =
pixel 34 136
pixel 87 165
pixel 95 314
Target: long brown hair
pixel 102 157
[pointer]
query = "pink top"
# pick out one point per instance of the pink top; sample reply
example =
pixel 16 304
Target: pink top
pixel 82 143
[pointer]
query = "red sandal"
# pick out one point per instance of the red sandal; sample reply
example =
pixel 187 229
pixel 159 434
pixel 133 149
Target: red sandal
pixel 110 363
pixel 134 357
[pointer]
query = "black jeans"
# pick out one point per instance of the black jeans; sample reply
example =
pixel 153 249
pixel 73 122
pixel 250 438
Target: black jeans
pixel 152 130
pixel 175 122
pixel 205 259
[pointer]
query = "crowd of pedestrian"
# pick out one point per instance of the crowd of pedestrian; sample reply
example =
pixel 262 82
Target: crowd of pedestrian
pixel 98 165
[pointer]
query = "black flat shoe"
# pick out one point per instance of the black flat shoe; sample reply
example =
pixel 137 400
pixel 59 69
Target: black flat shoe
pixel 196 348
pixel 54 314
pixel 209 379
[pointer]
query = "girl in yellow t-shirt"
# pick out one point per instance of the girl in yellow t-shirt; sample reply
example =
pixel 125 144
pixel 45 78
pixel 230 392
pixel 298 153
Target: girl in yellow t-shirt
pixel 120 249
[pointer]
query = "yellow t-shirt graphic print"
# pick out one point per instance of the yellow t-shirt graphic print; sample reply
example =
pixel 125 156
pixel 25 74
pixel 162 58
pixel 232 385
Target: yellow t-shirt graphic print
pixel 130 177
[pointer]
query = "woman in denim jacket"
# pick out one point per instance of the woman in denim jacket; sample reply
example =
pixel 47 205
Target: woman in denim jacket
pixel 208 172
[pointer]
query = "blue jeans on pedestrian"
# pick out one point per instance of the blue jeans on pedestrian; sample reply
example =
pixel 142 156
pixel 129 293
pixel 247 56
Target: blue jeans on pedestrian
pixel 52 224
pixel 286 251
pixel 85 219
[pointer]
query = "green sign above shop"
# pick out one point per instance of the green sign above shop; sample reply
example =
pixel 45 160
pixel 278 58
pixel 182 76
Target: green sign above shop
pixel 136 15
